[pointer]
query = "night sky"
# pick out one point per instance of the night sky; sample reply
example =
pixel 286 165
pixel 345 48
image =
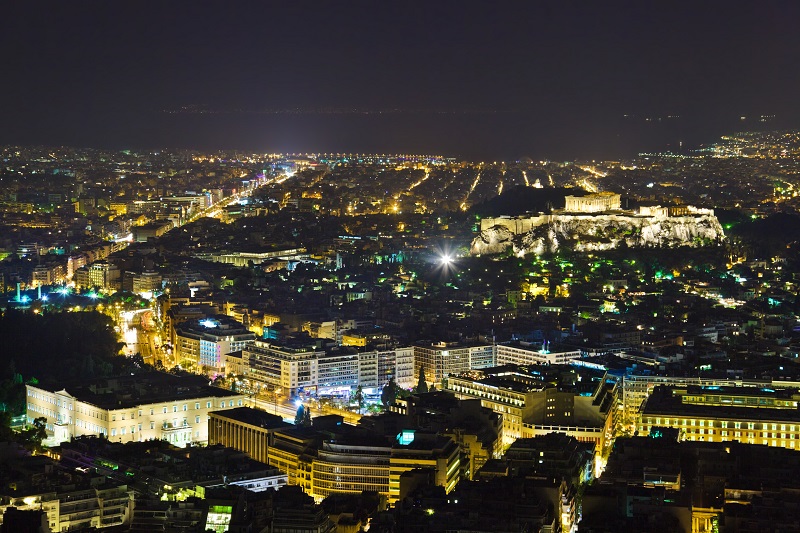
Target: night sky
pixel 494 80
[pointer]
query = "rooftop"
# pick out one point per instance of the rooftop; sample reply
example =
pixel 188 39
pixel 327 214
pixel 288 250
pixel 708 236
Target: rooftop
pixel 669 401
pixel 253 417
pixel 129 391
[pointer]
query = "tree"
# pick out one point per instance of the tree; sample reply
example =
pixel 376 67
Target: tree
pixel 422 385
pixel 307 418
pixel 300 416
pixel 358 397
pixel 389 393
pixel 32 436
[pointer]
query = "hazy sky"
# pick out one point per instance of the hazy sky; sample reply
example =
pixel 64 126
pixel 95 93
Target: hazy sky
pixel 473 79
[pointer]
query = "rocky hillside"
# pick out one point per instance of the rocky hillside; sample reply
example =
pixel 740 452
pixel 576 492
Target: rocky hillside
pixel 602 232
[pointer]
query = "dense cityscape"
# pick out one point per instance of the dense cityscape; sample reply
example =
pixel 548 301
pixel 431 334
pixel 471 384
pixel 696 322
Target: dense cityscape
pixel 384 336
pixel 399 267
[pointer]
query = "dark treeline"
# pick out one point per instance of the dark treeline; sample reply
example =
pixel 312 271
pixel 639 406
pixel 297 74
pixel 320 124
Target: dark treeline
pixel 63 346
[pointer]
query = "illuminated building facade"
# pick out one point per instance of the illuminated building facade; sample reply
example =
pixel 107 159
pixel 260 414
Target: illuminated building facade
pixel 588 411
pixel 637 388
pixel 203 343
pixel 750 415
pixel 441 456
pixel 351 467
pixel 245 429
pixel 71 508
pixel 302 367
pixel 441 359
pixel 133 408
pixel 506 396
pixel 592 203
pixel 525 353
pixel 361 462
pixel 147 283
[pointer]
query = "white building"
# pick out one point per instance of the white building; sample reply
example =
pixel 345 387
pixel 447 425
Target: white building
pixel 133 408
pixel 524 353
pixel 147 282
pixel 203 343
pixel 336 371
pixel 442 359
pixel 68 507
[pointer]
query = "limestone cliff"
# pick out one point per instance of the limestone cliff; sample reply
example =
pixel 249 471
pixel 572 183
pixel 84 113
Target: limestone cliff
pixel 600 232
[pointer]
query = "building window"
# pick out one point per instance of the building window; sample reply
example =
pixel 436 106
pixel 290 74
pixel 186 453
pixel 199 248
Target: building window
pixel 197 419
pixel 152 425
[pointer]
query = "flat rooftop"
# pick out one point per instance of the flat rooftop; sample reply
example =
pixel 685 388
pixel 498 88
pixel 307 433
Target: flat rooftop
pixel 253 417
pixel 124 392
pixel 664 402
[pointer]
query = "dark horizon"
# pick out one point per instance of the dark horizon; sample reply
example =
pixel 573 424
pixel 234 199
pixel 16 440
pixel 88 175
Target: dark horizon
pixel 464 79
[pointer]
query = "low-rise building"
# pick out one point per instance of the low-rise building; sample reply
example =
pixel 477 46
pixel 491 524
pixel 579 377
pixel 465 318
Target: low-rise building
pixel 130 408
pixel 203 343
pixel 441 359
pixel 714 414
pixel 526 353
pixel 245 429
pixel 71 500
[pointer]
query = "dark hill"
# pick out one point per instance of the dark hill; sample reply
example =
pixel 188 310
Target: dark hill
pixel 520 200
